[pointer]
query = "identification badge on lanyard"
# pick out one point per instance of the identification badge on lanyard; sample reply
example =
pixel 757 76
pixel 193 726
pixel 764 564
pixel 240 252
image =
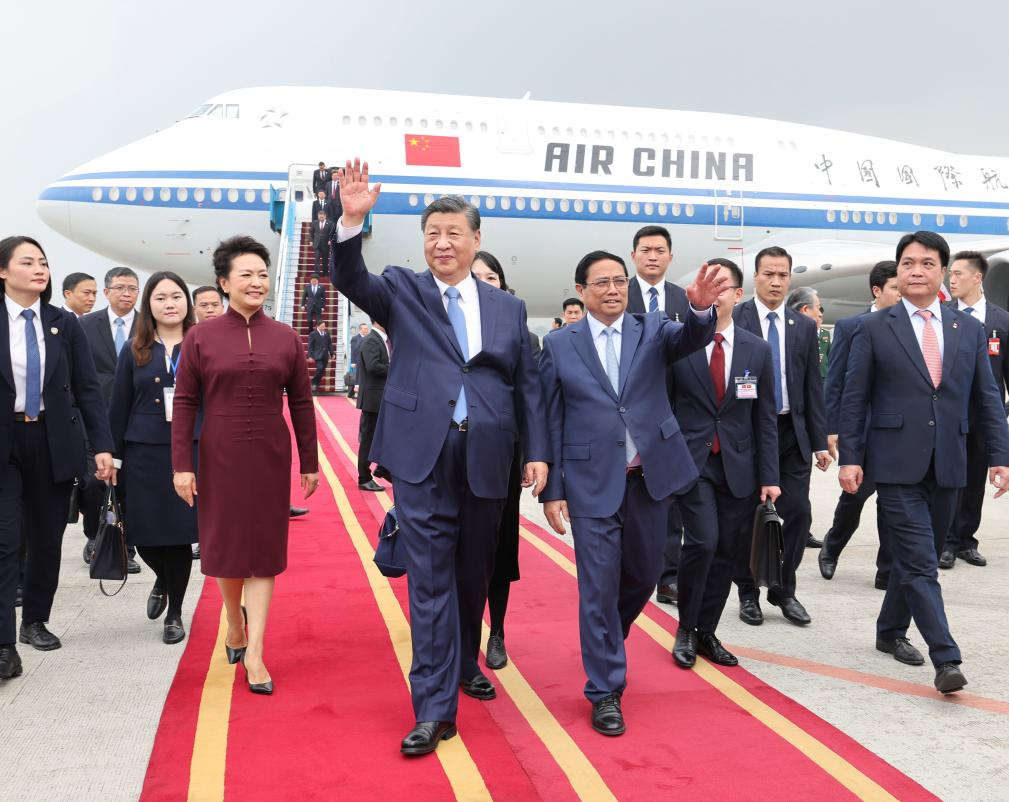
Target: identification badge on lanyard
pixel 994 344
pixel 746 387
pixel 169 392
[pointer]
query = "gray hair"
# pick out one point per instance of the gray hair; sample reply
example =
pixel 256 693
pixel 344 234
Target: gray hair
pixel 452 204
pixel 803 296
pixel 119 272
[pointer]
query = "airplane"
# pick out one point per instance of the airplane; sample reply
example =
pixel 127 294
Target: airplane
pixel 552 182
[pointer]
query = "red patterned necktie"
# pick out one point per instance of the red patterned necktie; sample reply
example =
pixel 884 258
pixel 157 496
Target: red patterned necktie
pixel 930 347
pixel 717 367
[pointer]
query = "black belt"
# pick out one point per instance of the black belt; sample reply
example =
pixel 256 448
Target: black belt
pixel 20 417
pixel 462 427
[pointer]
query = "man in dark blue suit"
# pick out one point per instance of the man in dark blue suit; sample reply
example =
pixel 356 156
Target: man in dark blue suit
pixel 798 393
pixel 728 416
pixel 966 277
pixel 916 369
pixel 619 457
pixel 883 284
pixel 460 393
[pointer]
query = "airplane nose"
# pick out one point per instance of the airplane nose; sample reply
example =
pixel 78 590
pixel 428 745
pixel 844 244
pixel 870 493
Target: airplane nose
pixel 54 212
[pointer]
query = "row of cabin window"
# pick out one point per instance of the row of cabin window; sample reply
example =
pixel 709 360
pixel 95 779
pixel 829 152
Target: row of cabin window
pixel 181 194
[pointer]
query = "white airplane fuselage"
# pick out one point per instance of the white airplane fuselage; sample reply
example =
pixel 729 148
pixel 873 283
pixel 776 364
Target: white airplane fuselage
pixel 552 181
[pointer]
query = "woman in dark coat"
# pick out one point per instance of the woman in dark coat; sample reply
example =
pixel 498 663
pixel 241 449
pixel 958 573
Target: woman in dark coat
pixel 160 524
pixel 239 366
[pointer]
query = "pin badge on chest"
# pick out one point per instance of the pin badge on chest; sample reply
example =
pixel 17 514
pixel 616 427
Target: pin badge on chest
pixel 956 324
pixel 54 330
pixel 791 322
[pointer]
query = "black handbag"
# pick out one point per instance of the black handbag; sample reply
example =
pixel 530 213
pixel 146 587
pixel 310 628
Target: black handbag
pixel 768 548
pixel 75 503
pixel 109 558
pixel 389 556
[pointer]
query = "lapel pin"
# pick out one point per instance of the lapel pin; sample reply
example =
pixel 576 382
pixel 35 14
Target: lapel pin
pixel 54 330
pixel 791 322
pixel 956 325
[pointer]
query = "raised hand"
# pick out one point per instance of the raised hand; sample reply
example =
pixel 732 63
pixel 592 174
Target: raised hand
pixel 356 197
pixel 709 284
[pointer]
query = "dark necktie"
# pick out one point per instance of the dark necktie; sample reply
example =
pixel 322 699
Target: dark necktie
pixel 653 300
pixel 969 310
pixel 717 367
pixel 33 377
pixel 772 340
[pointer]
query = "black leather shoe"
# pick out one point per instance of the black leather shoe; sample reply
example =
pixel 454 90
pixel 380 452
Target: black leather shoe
pixel 297 512
pixel 381 472
pixel 711 647
pixel 497 657
pixel 132 566
pixel 947 559
pixel 425 737
pixel 38 636
pixel 828 564
pixel 607 718
pixel 156 603
pixel 10 662
pixel 792 610
pixel 174 631
pixel 881 582
pixel 949 678
pixel 479 688
pixel 371 485
pixel 19 596
pixel 972 556
pixel 667 594
pixel 89 549
pixel 685 648
pixel 812 542
pixel 749 612
pixel 902 651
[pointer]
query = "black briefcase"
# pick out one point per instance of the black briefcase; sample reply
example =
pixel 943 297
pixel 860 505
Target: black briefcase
pixel 389 556
pixel 75 503
pixel 108 562
pixel 767 548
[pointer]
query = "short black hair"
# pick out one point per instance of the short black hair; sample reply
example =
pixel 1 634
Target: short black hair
pixel 226 252
pixel 7 247
pixel 775 252
pixel 589 259
pixel 207 288
pixel 927 239
pixel 322 164
pixel 974 258
pixel 70 282
pixel 573 302
pixel 652 231
pixel 558 321
pixel 737 274
pixel 119 272
pixel 492 262
pixel 452 204
pixel 881 273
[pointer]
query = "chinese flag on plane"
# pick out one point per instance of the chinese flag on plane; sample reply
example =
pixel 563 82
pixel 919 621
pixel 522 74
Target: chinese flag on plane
pixel 432 151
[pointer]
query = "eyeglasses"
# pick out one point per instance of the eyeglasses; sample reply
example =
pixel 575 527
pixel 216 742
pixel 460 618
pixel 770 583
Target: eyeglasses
pixel 125 289
pixel 600 284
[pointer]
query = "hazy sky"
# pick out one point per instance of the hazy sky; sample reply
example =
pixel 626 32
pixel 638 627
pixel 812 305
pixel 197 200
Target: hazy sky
pixel 80 79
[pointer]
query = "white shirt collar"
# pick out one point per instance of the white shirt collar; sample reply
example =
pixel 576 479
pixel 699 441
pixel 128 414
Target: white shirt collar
pixel 728 334
pixel 127 318
pixel 382 334
pixel 763 311
pixel 646 285
pixel 935 307
pixel 14 309
pixel 596 326
pixel 467 287
pixel 979 307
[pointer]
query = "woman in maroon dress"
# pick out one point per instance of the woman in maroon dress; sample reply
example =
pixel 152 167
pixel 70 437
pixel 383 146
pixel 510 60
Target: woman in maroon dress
pixel 238 366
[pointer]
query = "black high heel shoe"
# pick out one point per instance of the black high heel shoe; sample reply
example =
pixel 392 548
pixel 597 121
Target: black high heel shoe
pixel 237 655
pixel 262 688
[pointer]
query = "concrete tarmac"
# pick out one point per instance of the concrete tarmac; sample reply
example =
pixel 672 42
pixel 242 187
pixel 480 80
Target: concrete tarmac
pixel 80 723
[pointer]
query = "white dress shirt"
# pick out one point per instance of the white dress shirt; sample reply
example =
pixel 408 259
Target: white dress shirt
pixel 596 329
pixel 19 352
pixel 730 330
pixel 127 322
pixel 980 309
pixel 780 324
pixel 71 311
pixel 385 339
pixel 918 323
pixel 645 287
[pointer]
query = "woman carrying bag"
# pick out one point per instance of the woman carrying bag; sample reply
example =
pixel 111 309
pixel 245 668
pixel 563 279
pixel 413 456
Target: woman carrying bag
pixel 47 383
pixel 160 524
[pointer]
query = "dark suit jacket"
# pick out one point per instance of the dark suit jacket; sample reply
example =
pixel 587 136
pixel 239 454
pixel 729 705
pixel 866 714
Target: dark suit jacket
pixel 70 389
pixel 534 345
pixel 372 371
pixel 103 348
pixel 676 304
pixel 320 346
pixel 588 421
pixel 325 206
pixel 502 390
pixel 996 326
pixel 321 235
pixel 316 301
pixel 802 373
pixel 355 349
pixel 837 367
pixel 320 178
pixel 747 428
pixel 335 206
pixel 913 423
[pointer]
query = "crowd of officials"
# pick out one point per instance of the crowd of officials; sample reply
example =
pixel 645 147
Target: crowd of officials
pixel 651 420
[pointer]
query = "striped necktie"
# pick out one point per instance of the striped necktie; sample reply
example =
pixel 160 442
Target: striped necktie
pixel 930 348
pixel 653 300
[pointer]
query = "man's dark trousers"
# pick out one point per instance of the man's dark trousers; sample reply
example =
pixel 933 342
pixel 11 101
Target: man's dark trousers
pixel 439 517
pixel 846 517
pixel 619 560
pixel 674 540
pixel 967 519
pixel 917 518
pixel 365 435
pixel 793 506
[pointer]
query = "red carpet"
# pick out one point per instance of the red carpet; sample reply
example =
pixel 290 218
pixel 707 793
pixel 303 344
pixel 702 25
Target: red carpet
pixel 332 729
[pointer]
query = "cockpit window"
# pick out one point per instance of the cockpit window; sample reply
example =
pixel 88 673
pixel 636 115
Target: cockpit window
pixel 200 111
pixel 218 110
pixel 231 111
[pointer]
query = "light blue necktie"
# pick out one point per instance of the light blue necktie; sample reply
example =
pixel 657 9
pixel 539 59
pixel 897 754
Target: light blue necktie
pixel 653 301
pixel 33 383
pixel 969 310
pixel 613 374
pixel 120 334
pixel 772 340
pixel 458 321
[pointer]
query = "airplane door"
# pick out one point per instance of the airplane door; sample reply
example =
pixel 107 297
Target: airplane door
pixel 728 215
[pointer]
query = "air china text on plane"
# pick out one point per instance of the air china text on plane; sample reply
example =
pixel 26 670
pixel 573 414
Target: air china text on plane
pixel 566 157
